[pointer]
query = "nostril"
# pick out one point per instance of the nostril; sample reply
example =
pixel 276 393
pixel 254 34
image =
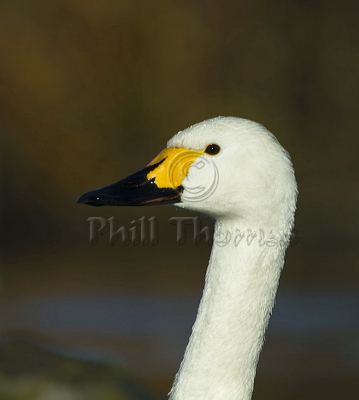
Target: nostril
pixel 136 184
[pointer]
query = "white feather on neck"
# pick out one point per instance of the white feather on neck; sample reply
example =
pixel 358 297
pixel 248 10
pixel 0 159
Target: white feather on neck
pixel 222 354
pixel 256 193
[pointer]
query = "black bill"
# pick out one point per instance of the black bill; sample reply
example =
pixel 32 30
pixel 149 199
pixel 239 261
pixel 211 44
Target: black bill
pixel 135 190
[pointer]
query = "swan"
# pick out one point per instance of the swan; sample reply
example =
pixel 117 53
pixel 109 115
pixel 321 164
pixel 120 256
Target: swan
pixel 235 171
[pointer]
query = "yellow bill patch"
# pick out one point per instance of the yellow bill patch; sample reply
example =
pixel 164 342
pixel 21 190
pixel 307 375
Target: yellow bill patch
pixel 171 172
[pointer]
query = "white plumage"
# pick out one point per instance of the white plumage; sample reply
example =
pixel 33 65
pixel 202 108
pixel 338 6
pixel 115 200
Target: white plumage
pixel 256 195
pixel 235 171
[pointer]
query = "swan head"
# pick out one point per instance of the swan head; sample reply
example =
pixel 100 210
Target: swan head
pixel 225 167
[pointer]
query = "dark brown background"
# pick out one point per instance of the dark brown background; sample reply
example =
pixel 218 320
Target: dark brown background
pixel 91 91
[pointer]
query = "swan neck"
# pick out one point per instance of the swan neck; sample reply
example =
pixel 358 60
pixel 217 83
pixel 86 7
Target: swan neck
pixel 241 282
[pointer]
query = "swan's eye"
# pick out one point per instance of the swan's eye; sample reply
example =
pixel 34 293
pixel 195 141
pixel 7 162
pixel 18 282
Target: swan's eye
pixel 212 149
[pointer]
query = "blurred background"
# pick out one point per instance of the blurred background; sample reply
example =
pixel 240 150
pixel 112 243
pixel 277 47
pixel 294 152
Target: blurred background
pixel 90 92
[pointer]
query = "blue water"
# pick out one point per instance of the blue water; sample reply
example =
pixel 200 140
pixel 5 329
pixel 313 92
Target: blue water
pixel 304 313
pixel 161 325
